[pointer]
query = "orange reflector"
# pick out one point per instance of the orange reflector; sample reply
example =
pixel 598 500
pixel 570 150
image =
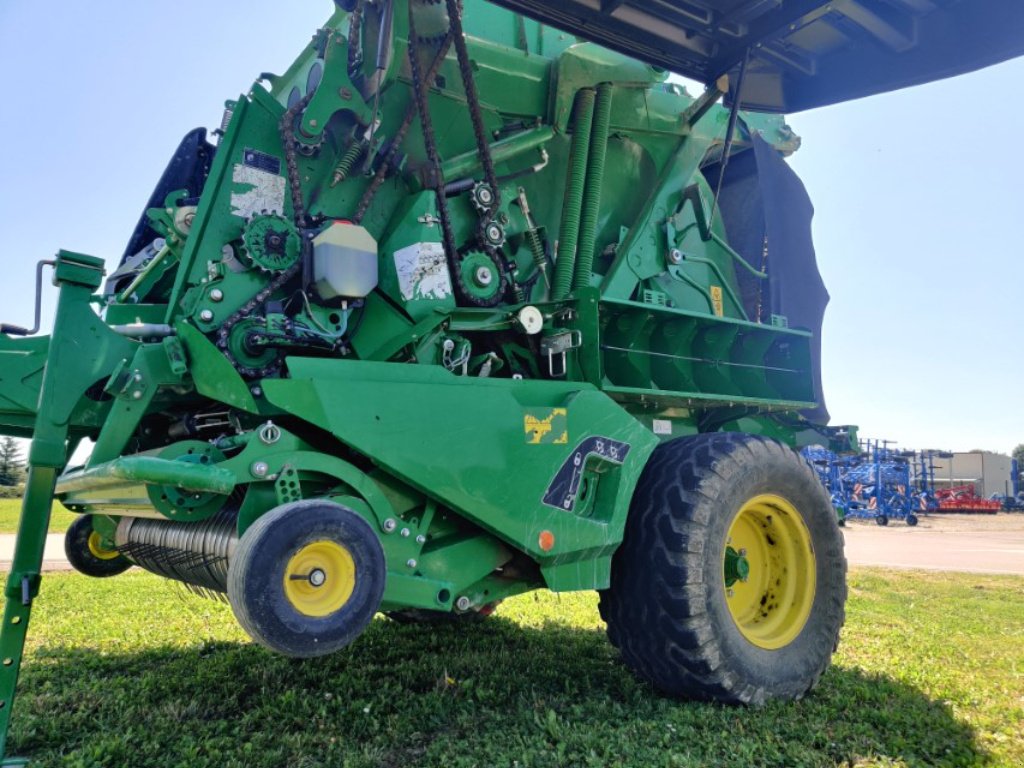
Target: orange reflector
pixel 546 540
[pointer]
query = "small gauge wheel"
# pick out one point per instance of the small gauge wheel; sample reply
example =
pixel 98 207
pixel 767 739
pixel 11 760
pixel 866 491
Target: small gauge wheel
pixel 88 554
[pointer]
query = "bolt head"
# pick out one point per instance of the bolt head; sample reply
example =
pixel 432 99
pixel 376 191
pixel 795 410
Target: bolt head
pixel 675 256
pixel 259 469
pixel 137 394
pixel 411 562
pixel 389 525
pixel 463 603
pixel 729 593
pixel 405 532
pixel 317 577
pixel 216 295
pixel 483 276
pixel 421 539
pixel 495 234
pixel 206 315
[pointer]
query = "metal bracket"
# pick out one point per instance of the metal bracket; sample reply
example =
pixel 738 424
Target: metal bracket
pixel 556 346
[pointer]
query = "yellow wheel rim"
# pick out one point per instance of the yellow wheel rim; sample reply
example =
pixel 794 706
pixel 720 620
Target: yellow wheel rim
pixel 769 569
pixel 320 578
pixel 97 550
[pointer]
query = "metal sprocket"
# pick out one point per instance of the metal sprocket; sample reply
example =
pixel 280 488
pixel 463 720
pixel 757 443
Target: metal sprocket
pixel 272 243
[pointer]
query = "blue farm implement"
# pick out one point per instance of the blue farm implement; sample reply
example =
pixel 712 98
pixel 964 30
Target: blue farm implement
pixel 879 483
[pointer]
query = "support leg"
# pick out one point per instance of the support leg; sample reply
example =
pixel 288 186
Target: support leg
pixel 22 587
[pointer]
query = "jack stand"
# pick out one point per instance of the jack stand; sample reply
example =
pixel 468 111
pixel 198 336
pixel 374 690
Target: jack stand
pixel 80 350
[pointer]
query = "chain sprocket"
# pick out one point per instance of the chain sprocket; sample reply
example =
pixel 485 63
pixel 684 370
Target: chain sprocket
pixel 272 243
pixel 482 278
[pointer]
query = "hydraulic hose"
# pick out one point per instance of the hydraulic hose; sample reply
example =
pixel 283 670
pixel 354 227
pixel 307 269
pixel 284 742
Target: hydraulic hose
pixel 568 230
pixel 595 181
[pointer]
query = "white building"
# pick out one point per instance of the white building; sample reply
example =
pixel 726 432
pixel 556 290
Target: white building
pixel 989 472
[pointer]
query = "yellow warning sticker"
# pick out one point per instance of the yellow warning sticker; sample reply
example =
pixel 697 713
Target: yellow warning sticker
pixel 716 300
pixel 546 426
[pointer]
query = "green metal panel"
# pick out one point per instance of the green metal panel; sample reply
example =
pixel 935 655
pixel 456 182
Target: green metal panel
pixel 476 430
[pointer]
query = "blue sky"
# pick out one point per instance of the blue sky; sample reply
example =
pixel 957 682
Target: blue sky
pixel 917 195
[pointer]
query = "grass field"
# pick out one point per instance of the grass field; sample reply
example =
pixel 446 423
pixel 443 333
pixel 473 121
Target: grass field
pixel 131 672
pixel 10 511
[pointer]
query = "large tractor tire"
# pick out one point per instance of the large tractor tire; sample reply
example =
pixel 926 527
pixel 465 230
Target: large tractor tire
pixel 730 583
pixel 85 551
pixel 307 578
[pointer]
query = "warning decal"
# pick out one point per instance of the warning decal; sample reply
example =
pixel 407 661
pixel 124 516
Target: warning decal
pixel 546 426
pixel 565 485
pixel 258 192
pixel 716 300
pixel 423 272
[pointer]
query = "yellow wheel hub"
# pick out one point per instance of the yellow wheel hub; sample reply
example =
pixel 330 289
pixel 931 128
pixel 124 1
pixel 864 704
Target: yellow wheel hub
pixel 97 550
pixel 320 578
pixel 769 571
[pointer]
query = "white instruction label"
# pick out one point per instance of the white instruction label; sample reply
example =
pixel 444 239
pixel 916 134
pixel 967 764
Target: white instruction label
pixel 265 193
pixel 661 426
pixel 423 272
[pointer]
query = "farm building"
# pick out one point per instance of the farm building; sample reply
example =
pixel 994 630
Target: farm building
pixel 989 472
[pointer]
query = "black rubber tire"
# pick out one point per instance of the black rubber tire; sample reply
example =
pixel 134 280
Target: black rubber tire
pixel 882 520
pixel 911 520
pixel 257 569
pixel 76 548
pixel 667 608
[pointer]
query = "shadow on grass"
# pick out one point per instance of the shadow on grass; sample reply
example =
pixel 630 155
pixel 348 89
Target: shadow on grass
pixel 490 694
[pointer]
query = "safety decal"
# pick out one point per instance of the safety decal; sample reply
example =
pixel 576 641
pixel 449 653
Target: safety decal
pixel 565 485
pixel 257 192
pixel 423 272
pixel 546 426
pixel 716 300
pixel 661 426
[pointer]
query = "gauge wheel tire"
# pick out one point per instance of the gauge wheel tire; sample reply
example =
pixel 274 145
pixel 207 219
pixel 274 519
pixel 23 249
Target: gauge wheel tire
pixel 911 520
pixel 669 610
pixel 307 578
pixel 882 520
pixel 85 551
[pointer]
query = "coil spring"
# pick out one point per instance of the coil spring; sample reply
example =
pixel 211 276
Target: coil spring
pixel 348 160
pixel 194 553
pixel 537 251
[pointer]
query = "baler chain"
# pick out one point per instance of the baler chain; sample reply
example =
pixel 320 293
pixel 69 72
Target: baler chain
pixel 435 180
pixel 245 311
pixel 483 149
pixel 287 130
pixel 355 49
pixel 396 142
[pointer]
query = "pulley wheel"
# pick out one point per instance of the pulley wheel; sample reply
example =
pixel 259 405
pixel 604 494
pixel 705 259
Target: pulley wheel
pixel 307 578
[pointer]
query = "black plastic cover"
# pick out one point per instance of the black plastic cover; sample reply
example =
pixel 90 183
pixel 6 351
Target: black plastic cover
pixel 767 216
pixel 187 169
pixel 803 53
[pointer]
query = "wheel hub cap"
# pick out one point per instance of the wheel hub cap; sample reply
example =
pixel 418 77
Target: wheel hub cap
pixel 320 578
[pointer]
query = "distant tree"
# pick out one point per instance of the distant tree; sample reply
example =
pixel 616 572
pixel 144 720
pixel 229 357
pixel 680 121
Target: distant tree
pixel 1018 454
pixel 11 462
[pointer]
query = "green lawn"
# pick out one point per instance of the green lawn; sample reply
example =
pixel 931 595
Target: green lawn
pixel 10 511
pixel 131 672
